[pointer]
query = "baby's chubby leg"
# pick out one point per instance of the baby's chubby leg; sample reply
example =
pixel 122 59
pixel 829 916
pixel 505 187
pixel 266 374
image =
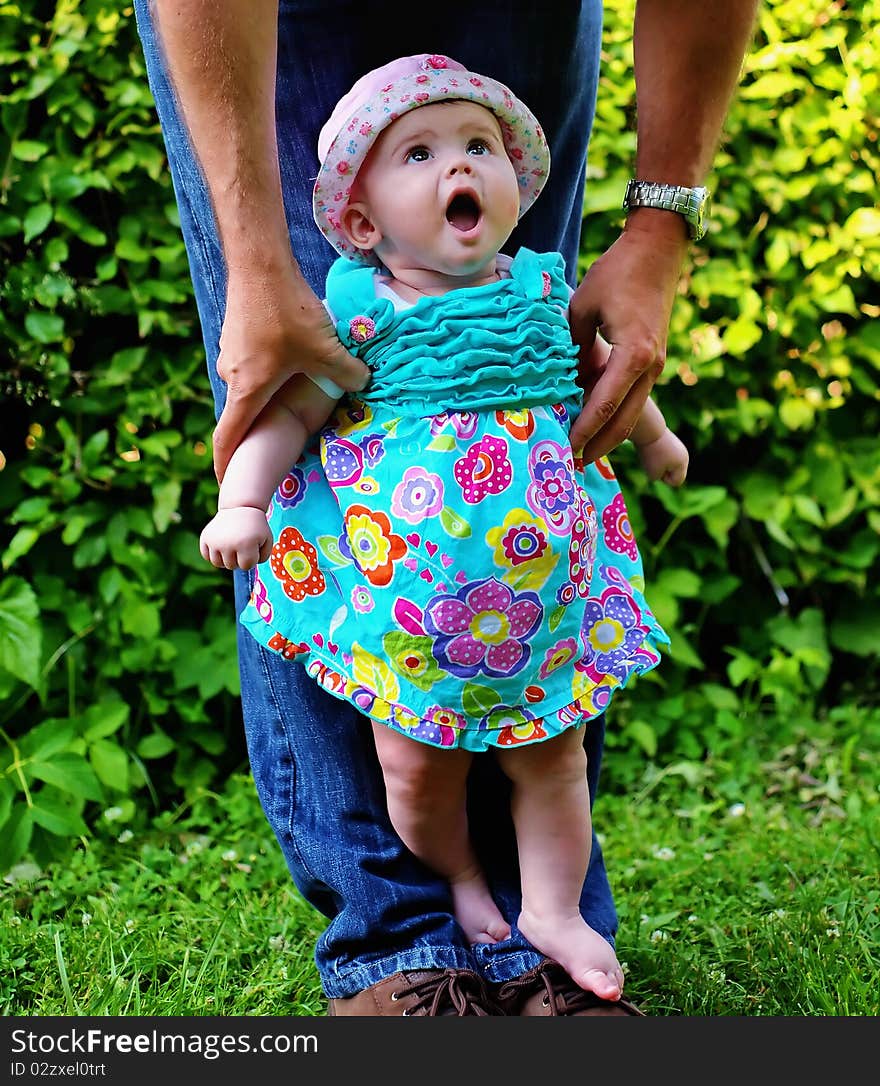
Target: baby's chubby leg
pixel 426 795
pixel 550 805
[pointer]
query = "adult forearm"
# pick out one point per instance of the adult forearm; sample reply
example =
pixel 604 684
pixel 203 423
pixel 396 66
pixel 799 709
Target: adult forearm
pixel 687 56
pixel 221 59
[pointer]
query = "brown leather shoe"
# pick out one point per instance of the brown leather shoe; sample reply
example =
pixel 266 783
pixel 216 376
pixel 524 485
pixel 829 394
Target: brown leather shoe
pixel 548 990
pixel 430 993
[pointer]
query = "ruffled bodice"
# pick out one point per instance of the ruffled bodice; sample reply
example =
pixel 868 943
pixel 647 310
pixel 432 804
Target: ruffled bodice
pixel 501 345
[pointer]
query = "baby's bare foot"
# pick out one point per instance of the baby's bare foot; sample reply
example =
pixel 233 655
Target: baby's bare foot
pixel 582 952
pixel 476 912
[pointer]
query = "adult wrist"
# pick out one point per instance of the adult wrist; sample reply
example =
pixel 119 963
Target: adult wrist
pixel 665 226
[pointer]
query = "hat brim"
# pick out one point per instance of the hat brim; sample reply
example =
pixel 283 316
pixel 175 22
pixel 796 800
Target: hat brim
pixel 523 137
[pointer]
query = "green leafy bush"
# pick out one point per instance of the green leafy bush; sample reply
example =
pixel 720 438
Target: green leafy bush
pixel 763 567
pixel 118 683
pixel 117 652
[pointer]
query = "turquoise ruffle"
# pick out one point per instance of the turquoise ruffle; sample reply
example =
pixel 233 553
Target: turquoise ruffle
pixel 457 352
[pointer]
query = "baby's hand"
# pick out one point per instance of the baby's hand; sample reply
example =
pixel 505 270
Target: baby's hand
pixel 665 458
pixel 237 538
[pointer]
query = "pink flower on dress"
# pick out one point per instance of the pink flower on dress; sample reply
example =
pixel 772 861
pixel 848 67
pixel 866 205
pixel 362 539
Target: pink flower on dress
pixel 563 652
pixel 362 599
pixel 553 492
pixel 436 61
pixel 342 167
pixel 619 535
pixel 417 496
pixel 260 599
pixel 484 469
pixel 484 627
pixel 523 543
pixel 361 329
pixel 582 546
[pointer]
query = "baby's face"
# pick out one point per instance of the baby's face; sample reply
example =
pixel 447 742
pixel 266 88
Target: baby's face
pixel 440 190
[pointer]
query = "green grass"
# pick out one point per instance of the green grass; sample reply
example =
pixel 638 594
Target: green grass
pixel 745 886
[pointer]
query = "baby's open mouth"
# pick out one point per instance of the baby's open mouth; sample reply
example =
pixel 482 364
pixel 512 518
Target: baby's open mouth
pixel 463 212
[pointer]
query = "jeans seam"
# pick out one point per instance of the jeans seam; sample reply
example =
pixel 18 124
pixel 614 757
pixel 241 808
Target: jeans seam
pixel 283 724
pixel 200 236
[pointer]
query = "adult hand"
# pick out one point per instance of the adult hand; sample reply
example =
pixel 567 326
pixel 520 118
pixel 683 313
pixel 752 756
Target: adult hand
pixel 627 295
pixel 274 327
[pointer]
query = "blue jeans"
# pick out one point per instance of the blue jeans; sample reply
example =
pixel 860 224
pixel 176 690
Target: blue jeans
pixel 312 756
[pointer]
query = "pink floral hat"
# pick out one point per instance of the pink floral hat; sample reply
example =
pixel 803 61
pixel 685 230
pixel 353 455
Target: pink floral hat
pixel 380 97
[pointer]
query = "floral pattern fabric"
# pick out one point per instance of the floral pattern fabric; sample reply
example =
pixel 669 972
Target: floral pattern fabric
pixel 441 558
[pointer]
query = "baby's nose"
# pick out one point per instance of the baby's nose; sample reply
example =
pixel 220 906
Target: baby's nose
pixel 459 166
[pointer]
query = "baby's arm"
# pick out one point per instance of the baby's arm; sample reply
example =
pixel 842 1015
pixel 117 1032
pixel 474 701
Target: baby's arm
pixel 238 536
pixel 662 453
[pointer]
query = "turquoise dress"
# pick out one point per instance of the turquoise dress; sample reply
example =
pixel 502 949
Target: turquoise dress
pixel 441 559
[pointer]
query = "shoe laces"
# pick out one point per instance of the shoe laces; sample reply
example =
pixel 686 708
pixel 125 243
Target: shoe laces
pixel 561 994
pixel 457 989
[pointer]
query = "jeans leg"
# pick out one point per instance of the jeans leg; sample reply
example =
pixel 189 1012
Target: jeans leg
pixel 315 767
pixel 312 757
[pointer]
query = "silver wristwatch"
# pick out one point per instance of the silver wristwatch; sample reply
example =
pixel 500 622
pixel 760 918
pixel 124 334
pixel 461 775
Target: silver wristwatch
pixel 689 203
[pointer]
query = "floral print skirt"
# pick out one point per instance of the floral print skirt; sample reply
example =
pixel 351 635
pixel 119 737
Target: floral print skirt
pixel 460 578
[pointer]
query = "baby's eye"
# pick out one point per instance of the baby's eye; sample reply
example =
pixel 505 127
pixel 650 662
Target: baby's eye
pixel 477 147
pixel 417 154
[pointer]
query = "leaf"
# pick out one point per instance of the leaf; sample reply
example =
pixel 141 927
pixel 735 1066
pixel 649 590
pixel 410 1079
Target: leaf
pixel 454 525
pixel 796 414
pixel 44 327
pixel 36 220
pixel 110 762
pixel 53 814
pixel 7 796
pixel 15 836
pixel 156 745
pixel 140 618
pixel 864 222
pixel 48 737
pixel 680 582
pixel 329 547
pixel 681 650
pixel 741 668
pixel 70 773
pixel 857 630
pixel 692 501
pixel 21 637
pixel 643 735
pixel 720 519
pixel 102 719
pixel 741 335
pixel 478 700
pixel 29 150
pixel 19 545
